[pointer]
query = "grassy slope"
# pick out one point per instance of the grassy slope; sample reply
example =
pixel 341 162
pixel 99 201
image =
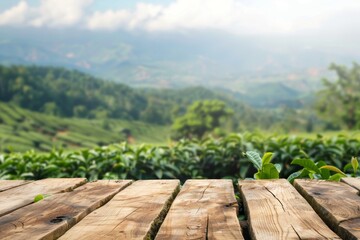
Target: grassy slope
pixel 22 130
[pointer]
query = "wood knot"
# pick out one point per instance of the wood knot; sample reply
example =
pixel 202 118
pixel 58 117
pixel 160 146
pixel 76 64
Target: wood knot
pixel 59 219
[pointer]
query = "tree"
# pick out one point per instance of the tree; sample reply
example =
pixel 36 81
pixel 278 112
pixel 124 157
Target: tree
pixel 79 111
pixel 201 117
pixel 51 108
pixel 339 102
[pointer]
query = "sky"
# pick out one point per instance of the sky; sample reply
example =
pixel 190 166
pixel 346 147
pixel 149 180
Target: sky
pixel 244 17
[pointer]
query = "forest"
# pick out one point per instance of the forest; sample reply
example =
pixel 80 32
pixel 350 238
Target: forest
pixel 71 98
pixel 70 93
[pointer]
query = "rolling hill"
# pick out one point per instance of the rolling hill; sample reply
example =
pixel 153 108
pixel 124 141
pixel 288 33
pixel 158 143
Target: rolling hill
pixel 22 130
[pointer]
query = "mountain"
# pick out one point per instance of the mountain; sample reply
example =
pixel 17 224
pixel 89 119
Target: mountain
pixel 70 93
pixel 272 95
pixel 168 60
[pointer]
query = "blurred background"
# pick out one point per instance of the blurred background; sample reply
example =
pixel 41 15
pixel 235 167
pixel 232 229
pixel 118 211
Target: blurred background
pixel 86 73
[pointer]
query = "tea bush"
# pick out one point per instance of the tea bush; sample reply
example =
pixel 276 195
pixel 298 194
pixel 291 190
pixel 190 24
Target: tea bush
pixel 209 158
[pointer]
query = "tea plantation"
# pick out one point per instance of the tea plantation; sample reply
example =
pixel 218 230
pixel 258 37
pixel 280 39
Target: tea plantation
pixel 210 158
pixel 22 130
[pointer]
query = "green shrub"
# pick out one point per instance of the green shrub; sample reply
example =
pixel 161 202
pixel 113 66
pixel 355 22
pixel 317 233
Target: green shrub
pixel 209 158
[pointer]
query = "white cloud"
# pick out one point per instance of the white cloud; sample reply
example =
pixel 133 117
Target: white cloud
pixel 179 14
pixel 15 15
pixel 59 13
pixel 195 14
pixel 108 20
pixel 48 13
pixel 238 16
pixel 124 18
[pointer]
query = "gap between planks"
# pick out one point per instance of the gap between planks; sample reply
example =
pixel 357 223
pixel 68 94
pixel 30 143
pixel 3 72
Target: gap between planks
pixel 353 182
pixel 52 216
pixel 204 209
pixel 54 219
pixel 152 227
pixel 337 203
pixel 9 184
pixel 276 210
pixel 20 196
pixel 134 213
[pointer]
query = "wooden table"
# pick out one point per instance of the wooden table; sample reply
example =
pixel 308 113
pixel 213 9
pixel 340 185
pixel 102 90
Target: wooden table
pixel 162 209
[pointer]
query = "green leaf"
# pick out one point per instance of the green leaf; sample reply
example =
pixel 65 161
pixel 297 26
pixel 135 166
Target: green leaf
pixel 304 153
pixel 38 197
pixel 307 164
pixel 347 167
pixel 324 173
pixel 254 157
pixel 278 167
pixel 354 164
pixel 320 164
pixel 294 176
pixel 336 177
pixel 334 169
pixel 303 173
pixel 268 171
pixel 267 158
pixel 27 175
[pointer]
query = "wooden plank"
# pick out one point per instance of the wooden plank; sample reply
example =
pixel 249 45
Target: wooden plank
pixel 8 184
pixel 134 213
pixel 354 182
pixel 21 196
pixel 350 229
pixel 277 211
pixel 204 209
pixel 337 203
pixel 53 216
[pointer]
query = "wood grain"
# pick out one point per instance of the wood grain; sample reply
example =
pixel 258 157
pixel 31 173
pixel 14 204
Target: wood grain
pixel 51 217
pixel 204 209
pixel 134 213
pixel 336 202
pixel 277 211
pixel 8 184
pixel 354 182
pixel 21 196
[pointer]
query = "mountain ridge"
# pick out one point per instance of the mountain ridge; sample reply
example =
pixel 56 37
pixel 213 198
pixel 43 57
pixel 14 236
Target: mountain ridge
pixel 215 59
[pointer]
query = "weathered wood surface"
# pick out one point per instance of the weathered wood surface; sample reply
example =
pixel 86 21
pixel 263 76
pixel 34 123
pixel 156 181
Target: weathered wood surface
pixel 131 214
pixel 354 182
pixel 51 217
pixel 277 211
pixel 21 196
pixel 336 202
pixel 204 209
pixel 8 184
